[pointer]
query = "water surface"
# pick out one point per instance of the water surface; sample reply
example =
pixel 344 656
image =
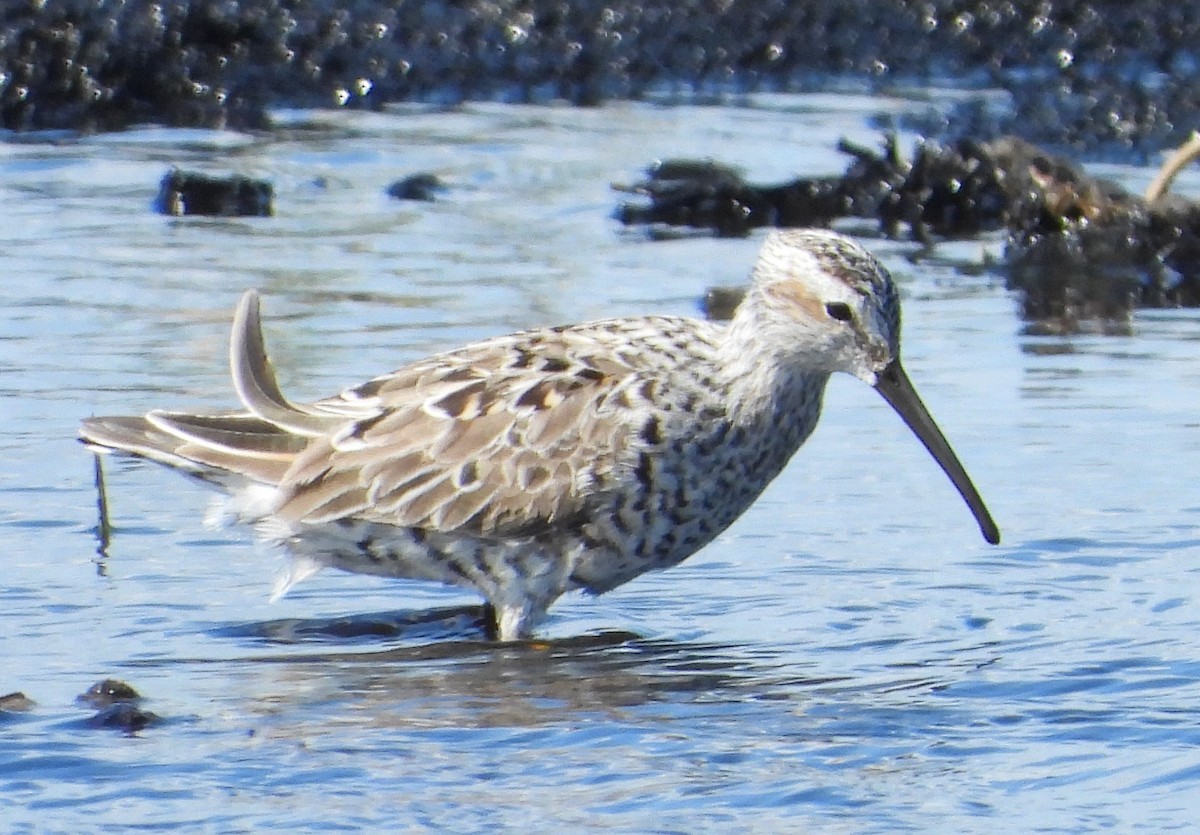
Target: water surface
pixel 850 656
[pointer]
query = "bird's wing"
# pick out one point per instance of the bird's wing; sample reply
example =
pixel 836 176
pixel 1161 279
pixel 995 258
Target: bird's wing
pixel 500 438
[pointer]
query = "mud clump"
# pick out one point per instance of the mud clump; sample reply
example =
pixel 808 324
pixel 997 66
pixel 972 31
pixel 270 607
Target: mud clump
pixel 1082 252
pixel 1092 78
pixel 417 187
pixel 191 193
pixel 117 706
pixel 15 702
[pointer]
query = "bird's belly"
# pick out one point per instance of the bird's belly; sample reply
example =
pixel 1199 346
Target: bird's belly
pixel 488 566
pixel 363 547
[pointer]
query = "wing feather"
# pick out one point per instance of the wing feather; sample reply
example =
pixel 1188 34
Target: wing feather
pixel 256 386
pixel 340 497
pixel 497 439
pixel 471 439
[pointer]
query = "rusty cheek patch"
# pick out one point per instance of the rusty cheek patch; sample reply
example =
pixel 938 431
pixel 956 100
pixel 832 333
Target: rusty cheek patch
pixel 793 294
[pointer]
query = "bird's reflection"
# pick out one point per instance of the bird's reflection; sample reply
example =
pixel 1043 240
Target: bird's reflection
pixel 437 669
pixel 452 623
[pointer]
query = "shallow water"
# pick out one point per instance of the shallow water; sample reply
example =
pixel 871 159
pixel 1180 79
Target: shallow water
pixel 850 656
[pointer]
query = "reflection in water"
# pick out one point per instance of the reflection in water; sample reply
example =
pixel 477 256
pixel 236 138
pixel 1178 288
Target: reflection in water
pixel 1048 347
pixel 455 623
pixel 452 676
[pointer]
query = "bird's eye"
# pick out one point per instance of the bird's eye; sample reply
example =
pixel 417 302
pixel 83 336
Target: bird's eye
pixel 840 311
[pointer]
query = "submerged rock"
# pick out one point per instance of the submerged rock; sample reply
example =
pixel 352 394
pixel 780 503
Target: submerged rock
pixel 116 703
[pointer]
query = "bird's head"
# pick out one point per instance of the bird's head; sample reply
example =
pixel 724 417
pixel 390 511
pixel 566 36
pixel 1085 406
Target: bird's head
pixel 830 300
pixel 822 304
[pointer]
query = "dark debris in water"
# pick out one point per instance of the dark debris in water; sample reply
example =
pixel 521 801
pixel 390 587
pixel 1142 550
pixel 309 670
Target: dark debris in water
pixel 123 716
pixel 16 702
pixel 108 692
pixel 1098 78
pixel 192 193
pixel 118 706
pixel 708 195
pixel 420 187
pixel 1081 251
pixel 719 303
pixel 446 623
pixel 712 196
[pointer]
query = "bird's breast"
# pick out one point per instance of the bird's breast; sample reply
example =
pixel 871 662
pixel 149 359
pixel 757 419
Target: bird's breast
pixel 692 473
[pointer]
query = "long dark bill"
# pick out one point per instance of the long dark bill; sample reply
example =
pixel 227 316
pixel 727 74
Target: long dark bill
pixel 896 389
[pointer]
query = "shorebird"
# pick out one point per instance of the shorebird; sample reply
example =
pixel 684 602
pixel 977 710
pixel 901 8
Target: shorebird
pixel 555 459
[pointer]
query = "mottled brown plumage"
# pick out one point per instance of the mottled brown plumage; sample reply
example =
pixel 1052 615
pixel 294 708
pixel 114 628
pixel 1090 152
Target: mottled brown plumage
pixel 564 458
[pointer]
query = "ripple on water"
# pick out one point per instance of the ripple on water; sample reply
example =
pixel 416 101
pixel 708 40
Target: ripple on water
pixel 848 657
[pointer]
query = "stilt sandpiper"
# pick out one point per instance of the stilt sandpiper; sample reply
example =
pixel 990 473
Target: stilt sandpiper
pixel 562 458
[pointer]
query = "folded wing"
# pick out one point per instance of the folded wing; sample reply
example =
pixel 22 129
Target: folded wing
pixel 500 438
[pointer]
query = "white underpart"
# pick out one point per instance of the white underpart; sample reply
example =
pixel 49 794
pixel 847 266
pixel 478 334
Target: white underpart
pixel 297 570
pixel 248 503
pixel 255 503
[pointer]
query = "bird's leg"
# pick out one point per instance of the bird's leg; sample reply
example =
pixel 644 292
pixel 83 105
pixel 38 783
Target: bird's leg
pixel 491 627
pixel 514 618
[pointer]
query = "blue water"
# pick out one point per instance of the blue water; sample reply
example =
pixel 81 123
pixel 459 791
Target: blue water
pixel 850 657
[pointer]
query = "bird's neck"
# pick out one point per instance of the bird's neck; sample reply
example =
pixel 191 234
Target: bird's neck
pixel 767 380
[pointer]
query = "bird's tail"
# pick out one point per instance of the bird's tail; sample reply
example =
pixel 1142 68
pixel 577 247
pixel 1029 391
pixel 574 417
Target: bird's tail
pixel 255 445
pixel 223 448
